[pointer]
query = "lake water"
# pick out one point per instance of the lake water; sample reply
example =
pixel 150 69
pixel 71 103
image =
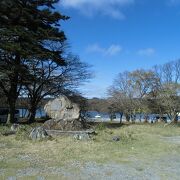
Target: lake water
pixel 101 116
pixel 39 113
pixel 94 115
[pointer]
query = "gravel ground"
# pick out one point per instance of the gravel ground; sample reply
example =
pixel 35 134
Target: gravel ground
pixel 174 139
pixel 162 168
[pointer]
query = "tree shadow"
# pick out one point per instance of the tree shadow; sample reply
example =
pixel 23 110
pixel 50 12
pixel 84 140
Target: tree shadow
pixel 110 125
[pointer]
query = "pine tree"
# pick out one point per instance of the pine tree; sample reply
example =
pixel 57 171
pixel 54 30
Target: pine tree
pixel 27 28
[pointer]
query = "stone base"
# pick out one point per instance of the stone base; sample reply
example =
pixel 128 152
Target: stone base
pixel 38 133
pixel 73 125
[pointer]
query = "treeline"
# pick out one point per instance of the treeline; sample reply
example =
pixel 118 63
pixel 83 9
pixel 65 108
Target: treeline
pixel 154 91
pixel 34 59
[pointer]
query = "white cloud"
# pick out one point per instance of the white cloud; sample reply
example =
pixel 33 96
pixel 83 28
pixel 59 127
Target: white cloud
pixel 146 52
pixel 111 8
pixel 113 49
pixel 109 51
pixel 95 48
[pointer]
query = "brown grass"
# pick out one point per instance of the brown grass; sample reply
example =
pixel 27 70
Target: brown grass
pixel 137 141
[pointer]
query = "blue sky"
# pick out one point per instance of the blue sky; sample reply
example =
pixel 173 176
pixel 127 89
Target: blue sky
pixel 121 35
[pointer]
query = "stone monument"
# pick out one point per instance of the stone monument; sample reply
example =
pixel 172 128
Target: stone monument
pixel 64 114
pixel 62 108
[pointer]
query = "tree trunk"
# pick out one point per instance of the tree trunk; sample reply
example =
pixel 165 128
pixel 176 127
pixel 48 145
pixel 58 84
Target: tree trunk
pixel 32 114
pixel 12 110
pixel 146 118
pixel 127 117
pixel 175 119
pixel 121 115
pixel 13 92
pixel 140 117
pixel 133 118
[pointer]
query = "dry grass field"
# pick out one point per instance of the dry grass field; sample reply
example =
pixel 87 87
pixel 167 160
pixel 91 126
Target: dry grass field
pixel 144 152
